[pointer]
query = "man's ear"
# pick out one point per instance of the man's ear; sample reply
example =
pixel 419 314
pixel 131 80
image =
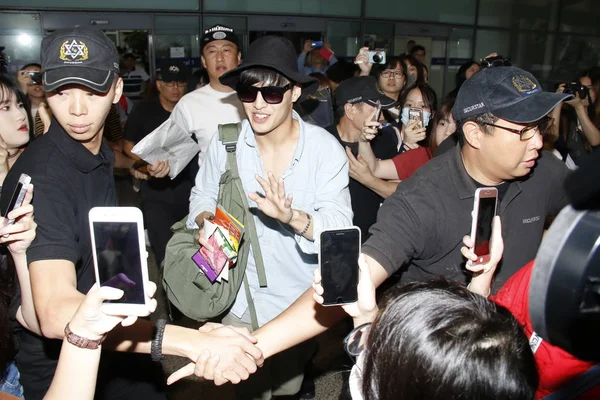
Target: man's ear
pixel 349 111
pixel 203 60
pixel 239 57
pixel 473 134
pixel 296 93
pixel 118 90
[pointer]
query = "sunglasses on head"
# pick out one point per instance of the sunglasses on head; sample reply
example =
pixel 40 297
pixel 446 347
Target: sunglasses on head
pixel 271 94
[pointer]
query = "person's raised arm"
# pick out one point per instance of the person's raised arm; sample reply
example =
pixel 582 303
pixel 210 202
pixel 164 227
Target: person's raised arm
pixel 17 238
pixel 590 131
pixel 483 274
pixel 360 171
pixel 362 60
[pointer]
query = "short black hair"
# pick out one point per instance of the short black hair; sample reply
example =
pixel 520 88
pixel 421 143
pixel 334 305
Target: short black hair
pixel 129 55
pixel 267 76
pixel 437 340
pixel 390 63
pixel 341 71
pixel 461 74
pixel 27 66
pixel 417 47
pixel 480 119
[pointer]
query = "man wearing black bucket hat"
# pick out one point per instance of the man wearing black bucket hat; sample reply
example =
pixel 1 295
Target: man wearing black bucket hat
pixel 296 177
pixel 419 230
pixel 71 168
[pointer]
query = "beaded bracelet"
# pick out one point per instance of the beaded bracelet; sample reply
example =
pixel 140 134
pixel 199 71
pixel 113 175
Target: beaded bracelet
pixel 307 225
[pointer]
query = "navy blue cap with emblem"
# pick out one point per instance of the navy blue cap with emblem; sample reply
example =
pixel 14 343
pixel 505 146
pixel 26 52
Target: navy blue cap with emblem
pixel 508 93
pixel 79 56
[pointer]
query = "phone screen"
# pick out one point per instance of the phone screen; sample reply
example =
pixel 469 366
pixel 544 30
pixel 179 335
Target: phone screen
pixel 483 232
pixel 339 266
pixel 326 53
pixel 15 198
pixel 416 114
pixel 119 259
pixel 377 112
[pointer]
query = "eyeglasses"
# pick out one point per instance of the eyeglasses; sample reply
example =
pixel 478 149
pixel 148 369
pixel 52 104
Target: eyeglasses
pixel 355 340
pixel 173 84
pixel 271 94
pixel 390 73
pixel 542 126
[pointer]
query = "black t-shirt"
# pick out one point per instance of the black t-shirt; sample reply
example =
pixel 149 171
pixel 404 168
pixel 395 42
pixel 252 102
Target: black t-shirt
pixel 69 181
pixel 420 227
pixel 365 202
pixel 144 118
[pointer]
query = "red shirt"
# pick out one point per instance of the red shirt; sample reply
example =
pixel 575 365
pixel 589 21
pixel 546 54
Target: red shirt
pixel 556 366
pixel 410 161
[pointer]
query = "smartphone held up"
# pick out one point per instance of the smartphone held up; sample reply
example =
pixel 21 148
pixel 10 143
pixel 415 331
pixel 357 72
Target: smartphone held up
pixel 18 196
pixel 338 260
pixel 484 211
pixel 119 251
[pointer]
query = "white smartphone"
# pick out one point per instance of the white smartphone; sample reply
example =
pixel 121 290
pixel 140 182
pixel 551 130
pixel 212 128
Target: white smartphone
pixel 484 211
pixel 18 195
pixel 338 260
pixel 119 250
pixel 377 112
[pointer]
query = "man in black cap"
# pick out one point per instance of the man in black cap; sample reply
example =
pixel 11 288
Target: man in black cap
pixel 419 230
pixel 200 112
pixel 296 177
pixel 357 99
pixel 71 168
pixel 164 199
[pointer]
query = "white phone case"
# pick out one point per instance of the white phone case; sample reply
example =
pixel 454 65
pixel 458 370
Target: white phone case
pixel 123 214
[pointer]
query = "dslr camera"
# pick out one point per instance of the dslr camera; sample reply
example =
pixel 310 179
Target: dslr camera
pixel 36 77
pixel 377 57
pixel 576 88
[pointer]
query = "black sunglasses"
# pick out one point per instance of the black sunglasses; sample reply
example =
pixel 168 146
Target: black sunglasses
pixel 271 94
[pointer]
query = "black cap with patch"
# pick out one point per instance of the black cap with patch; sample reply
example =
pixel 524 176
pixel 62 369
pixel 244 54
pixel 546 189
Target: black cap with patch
pixel 173 71
pixel 508 93
pixel 362 89
pixel 219 32
pixel 79 56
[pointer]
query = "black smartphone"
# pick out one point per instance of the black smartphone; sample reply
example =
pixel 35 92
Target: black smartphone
pixel 18 195
pixel 338 260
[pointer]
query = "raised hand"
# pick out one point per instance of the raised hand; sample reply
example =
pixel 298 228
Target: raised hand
pixel 359 169
pixel 365 309
pixel 19 235
pixel 414 133
pixel 496 251
pixel 92 321
pixel 362 60
pixel 370 128
pixel 275 203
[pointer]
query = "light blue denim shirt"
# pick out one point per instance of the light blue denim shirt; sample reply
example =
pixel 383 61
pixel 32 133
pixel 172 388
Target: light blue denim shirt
pixel 318 180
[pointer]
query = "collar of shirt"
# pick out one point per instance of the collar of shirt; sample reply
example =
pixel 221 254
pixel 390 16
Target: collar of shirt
pixel 465 184
pixel 250 139
pixel 76 153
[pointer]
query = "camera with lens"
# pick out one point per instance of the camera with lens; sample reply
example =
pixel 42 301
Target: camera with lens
pixel 36 77
pixel 496 61
pixel 377 57
pixel 576 88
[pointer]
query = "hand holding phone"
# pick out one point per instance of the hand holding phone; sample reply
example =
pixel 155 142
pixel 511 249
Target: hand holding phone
pixel 377 112
pixel 339 250
pixel 484 211
pixel 119 251
pixel 415 117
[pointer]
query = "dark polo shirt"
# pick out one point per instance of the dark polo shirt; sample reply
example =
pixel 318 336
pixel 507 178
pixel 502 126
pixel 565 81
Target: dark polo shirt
pixel 419 228
pixel 68 181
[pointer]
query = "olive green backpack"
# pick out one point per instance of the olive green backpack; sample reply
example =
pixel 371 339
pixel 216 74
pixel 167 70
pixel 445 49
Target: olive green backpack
pixel 185 284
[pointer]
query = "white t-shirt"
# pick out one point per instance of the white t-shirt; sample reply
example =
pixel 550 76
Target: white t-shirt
pixel 201 111
pixel 133 81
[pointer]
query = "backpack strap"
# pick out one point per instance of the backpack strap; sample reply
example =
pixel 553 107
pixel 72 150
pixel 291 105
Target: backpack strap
pixel 228 135
pixel 578 385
